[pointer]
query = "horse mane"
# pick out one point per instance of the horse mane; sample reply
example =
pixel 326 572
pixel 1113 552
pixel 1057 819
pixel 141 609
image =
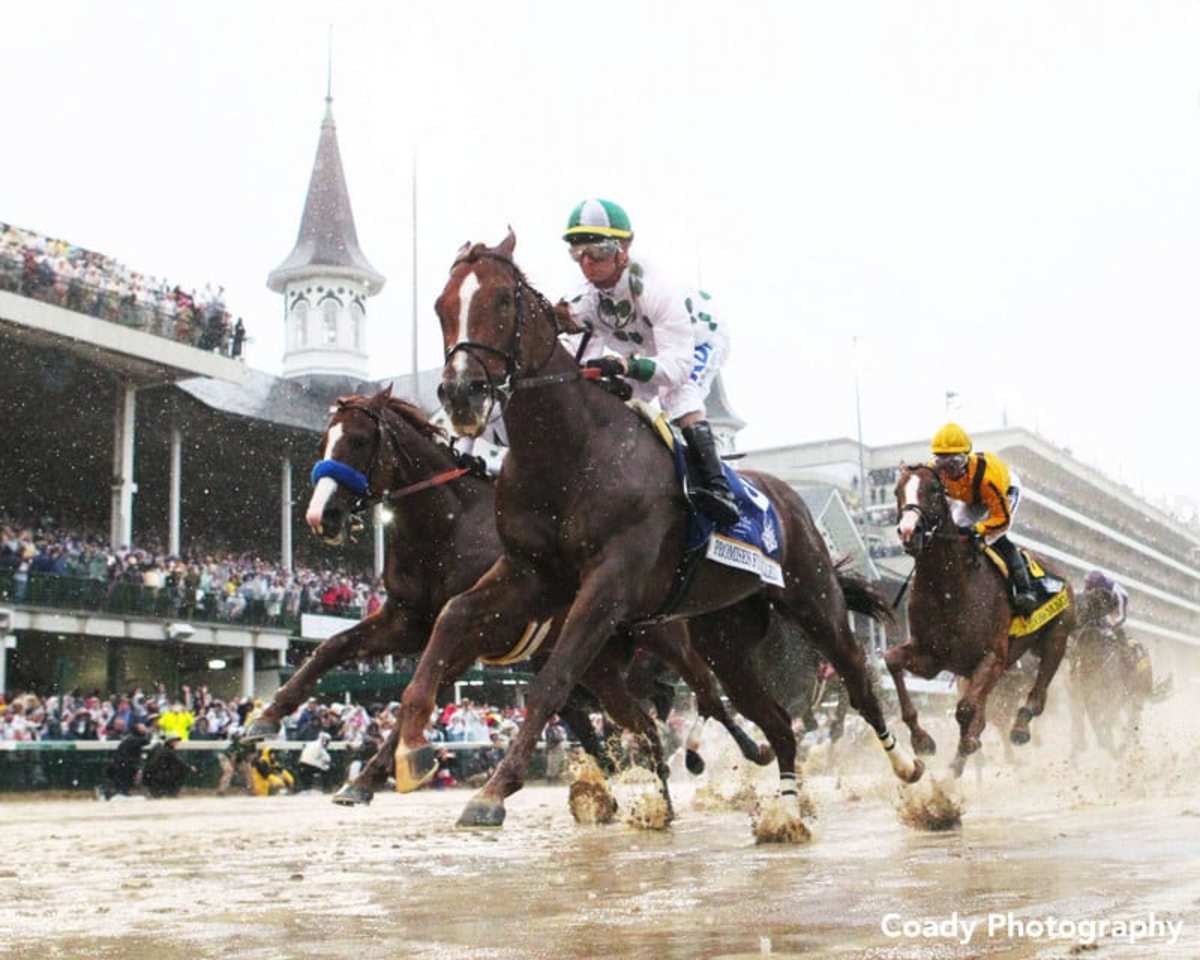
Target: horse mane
pixel 406 410
pixel 415 418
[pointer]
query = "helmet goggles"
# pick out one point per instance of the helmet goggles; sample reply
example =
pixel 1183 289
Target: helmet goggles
pixel 954 464
pixel 594 248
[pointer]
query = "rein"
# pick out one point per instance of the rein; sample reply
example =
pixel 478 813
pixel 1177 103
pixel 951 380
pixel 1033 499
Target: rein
pixel 502 390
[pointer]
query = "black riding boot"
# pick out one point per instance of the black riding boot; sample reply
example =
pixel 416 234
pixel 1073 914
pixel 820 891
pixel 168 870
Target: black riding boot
pixel 1024 600
pixel 714 499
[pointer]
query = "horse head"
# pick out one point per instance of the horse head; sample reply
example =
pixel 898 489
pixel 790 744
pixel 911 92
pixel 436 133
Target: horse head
pixel 371 445
pixel 495 329
pixel 921 507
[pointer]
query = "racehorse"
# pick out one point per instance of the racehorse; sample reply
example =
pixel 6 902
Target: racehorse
pixel 382 449
pixel 959 618
pixel 592 522
pixel 1106 686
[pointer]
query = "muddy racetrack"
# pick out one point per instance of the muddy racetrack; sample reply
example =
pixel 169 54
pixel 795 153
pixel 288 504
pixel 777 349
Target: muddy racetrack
pixel 237 878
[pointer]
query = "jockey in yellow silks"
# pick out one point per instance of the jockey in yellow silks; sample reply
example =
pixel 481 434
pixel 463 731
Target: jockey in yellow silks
pixel 989 495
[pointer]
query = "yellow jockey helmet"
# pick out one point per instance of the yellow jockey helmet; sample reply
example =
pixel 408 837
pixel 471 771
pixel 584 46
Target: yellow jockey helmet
pixel 951 439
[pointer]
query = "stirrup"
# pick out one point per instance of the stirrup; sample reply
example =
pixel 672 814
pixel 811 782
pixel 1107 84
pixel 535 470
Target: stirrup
pixel 717 506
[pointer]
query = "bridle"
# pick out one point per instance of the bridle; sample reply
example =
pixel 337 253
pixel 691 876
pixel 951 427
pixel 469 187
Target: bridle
pixel 360 483
pixel 929 522
pixel 499 391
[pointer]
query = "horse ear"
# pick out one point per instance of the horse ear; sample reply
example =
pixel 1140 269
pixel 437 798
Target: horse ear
pixel 508 244
pixel 463 250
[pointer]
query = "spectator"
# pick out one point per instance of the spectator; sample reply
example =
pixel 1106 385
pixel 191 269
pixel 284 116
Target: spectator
pixel 122 770
pixel 315 763
pixel 165 771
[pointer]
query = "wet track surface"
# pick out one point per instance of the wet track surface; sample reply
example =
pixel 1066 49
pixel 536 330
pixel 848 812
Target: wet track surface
pixel 239 877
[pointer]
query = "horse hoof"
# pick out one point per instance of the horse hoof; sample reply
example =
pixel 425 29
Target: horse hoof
pixel 918 771
pixel 923 744
pixel 694 763
pixel 414 768
pixel 1019 737
pixel 766 754
pixel 260 730
pixel 482 813
pixel 353 796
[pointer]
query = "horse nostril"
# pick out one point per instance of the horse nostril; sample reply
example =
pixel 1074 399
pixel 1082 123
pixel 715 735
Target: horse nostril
pixel 442 393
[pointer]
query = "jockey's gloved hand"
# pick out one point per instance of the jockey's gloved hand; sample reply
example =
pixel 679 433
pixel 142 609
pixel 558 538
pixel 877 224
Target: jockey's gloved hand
pixel 608 366
pixel 969 532
pixel 619 388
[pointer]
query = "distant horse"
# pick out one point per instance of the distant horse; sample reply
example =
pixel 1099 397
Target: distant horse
pixel 381 449
pixel 959 618
pixel 592 523
pixel 1110 683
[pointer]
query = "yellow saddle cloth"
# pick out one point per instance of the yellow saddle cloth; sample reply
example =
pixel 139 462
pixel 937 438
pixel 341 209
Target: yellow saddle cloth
pixel 1051 607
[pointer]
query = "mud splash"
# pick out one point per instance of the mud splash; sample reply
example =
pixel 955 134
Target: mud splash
pixel 640 794
pixel 774 823
pixel 590 799
pixel 931 805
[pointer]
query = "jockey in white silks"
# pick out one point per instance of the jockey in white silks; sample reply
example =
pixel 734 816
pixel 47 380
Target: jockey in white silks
pixel 665 339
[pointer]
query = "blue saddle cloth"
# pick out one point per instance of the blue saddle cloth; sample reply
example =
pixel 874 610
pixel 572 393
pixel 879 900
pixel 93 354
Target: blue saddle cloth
pixel 757 525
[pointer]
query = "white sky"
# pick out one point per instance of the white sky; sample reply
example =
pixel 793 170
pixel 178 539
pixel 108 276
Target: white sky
pixel 996 199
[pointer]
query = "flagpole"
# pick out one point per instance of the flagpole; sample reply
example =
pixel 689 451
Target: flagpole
pixel 415 367
pixel 862 468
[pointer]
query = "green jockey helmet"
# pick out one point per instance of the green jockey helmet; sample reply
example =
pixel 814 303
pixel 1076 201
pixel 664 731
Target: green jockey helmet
pixel 598 218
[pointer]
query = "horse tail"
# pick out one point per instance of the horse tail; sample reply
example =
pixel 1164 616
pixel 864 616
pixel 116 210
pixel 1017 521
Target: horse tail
pixel 861 596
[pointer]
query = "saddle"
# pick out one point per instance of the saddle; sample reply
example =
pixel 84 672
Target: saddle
pixel 751 544
pixel 1051 594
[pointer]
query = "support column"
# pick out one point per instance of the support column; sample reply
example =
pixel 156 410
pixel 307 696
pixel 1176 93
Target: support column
pixel 174 494
pixel 285 514
pixel 248 673
pixel 377 520
pixel 123 487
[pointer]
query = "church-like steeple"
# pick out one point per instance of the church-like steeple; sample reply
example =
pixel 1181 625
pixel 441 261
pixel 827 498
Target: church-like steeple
pixel 326 279
pixel 327 235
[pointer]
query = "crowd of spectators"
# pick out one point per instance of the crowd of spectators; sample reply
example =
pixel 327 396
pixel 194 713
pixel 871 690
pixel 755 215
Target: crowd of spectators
pixel 87 282
pixel 201 584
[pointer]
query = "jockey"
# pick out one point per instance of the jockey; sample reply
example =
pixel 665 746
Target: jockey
pixel 982 483
pixel 1114 602
pixel 663 338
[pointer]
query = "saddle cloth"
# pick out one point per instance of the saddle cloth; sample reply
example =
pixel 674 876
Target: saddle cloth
pixel 751 544
pixel 1052 598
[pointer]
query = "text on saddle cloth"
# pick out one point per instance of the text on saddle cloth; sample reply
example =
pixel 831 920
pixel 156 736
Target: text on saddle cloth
pixel 751 544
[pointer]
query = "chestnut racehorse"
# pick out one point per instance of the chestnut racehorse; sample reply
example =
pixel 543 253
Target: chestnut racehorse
pixel 381 449
pixel 959 618
pixel 592 522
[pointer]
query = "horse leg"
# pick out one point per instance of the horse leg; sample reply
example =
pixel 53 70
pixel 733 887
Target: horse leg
pixel 672 644
pixel 1054 645
pixel 723 638
pixel 375 772
pixel 577 716
pixel 603 603
pixel 971 710
pixel 389 630
pixel 906 656
pixel 603 678
pixel 501 603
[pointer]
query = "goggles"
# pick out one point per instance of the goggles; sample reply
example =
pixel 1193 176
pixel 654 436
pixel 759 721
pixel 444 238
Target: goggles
pixel 594 250
pixel 951 463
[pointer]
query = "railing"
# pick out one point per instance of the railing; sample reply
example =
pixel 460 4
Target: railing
pixel 192 326
pixel 138 600
pixel 80 764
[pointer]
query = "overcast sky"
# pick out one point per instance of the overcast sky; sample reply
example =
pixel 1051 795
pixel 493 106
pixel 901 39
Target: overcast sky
pixel 997 199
